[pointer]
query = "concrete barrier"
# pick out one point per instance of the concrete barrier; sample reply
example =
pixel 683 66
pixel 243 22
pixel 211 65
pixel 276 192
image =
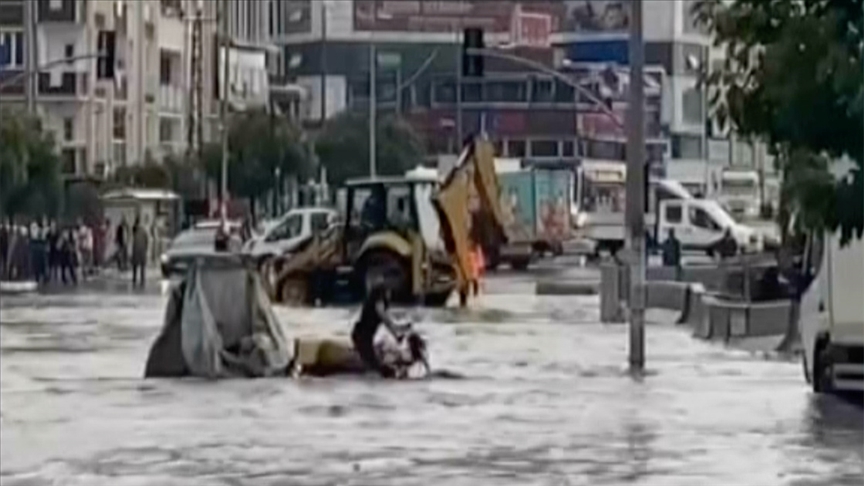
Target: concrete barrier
pixel 668 295
pixel 694 310
pixel 566 288
pixel 611 293
pixel 729 319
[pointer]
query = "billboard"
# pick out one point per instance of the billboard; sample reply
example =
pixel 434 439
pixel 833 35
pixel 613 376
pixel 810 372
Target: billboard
pixel 447 15
pixel 596 16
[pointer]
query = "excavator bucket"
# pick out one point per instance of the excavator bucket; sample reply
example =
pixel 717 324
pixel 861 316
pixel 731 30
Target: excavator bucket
pixel 476 167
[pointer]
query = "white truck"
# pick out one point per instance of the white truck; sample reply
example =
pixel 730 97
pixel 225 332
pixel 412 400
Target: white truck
pixel 698 223
pixel 832 319
pixel 739 193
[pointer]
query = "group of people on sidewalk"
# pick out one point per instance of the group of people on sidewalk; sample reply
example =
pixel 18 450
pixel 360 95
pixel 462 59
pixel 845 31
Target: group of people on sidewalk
pixel 47 252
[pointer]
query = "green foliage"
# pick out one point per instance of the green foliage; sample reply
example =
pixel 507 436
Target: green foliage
pixel 258 144
pixel 343 146
pixel 793 77
pixel 30 182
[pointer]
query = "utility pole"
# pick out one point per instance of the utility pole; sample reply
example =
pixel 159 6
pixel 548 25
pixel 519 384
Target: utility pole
pixel 373 108
pixel 458 91
pixel 635 209
pixel 323 62
pixel 223 110
pixel 31 61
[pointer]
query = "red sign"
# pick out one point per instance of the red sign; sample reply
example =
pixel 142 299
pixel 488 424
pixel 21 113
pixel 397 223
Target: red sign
pixel 449 15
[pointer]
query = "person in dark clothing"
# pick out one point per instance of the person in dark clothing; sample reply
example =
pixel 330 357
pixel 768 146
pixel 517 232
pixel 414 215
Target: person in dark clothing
pixel 727 247
pixel 374 313
pixel 672 252
pixel 120 242
pixel 4 250
pixel 53 241
pixel 68 258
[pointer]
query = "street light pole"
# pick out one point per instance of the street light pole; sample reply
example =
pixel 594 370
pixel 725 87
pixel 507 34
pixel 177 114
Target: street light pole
pixel 373 108
pixel 223 114
pixel 31 60
pixel 635 209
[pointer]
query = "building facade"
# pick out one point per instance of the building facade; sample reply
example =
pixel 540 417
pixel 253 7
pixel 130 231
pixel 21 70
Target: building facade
pixel 147 110
pixel 326 50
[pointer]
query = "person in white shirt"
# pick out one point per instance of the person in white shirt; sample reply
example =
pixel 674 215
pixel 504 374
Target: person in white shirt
pixel 85 248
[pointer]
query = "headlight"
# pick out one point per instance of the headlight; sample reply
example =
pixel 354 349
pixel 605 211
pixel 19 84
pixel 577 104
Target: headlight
pixel 164 258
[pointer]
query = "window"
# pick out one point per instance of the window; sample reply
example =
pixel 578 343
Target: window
pixel 164 69
pixel 673 213
pixel 68 129
pixel 544 148
pixel 11 49
pixel 506 91
pixel 605 150
pixel 516 148
pixel 692 102
pixel 290 228
pixel 686 147
pixel 119 123
pixel 472 92
pixel 165 132
pixel 68 52
pixel 55 4
pixel 320 221
pixel 444 92
pixel 542 91
pixel 67 157
pixel 567 149
pixel 701 219
pixel 357 203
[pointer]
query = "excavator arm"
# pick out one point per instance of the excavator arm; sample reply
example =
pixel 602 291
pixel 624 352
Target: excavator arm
pixel 474 170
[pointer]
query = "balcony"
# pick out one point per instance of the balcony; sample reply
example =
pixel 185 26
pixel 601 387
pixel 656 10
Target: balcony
pixel 69 85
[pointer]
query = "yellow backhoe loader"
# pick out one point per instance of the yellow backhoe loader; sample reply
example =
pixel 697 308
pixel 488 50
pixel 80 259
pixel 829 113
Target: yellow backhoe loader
pixel 413 233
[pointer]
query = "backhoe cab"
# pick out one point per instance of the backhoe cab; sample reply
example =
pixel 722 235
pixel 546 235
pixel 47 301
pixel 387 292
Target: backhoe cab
pixel 410 233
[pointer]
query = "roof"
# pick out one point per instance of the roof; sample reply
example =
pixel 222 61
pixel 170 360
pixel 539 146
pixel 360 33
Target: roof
pixel 140 195
pixel 369 181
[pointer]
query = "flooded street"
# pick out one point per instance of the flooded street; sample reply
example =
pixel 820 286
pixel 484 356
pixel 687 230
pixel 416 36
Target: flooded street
pixel 545 400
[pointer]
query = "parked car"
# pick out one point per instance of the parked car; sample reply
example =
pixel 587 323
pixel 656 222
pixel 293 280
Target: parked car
pixel 185 247
pixel 290 231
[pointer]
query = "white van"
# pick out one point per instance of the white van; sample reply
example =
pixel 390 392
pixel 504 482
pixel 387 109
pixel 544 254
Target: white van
pixel 700 223
pixel 832 319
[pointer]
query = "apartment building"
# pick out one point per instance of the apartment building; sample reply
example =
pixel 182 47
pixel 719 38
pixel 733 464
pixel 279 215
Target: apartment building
pixel 145 111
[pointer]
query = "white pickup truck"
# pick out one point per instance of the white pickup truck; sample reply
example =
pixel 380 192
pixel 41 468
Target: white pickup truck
pixel 832 319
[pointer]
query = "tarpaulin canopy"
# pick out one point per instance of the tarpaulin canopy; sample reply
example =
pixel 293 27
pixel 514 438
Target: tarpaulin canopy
pixel 219 323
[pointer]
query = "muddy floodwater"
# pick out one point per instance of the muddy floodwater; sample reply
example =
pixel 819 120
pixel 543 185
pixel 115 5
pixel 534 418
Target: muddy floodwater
pixel 545 401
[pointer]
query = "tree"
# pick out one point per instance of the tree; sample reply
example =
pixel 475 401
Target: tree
pixel 30 182
pixel 258 144
pixel 793 77
pixel 343 146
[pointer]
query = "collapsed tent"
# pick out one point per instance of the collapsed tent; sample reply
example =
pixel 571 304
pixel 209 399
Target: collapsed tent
pixel 219 323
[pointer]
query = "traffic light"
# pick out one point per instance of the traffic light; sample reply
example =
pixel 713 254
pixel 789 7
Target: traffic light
pixel 472 64
pixel 106 45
